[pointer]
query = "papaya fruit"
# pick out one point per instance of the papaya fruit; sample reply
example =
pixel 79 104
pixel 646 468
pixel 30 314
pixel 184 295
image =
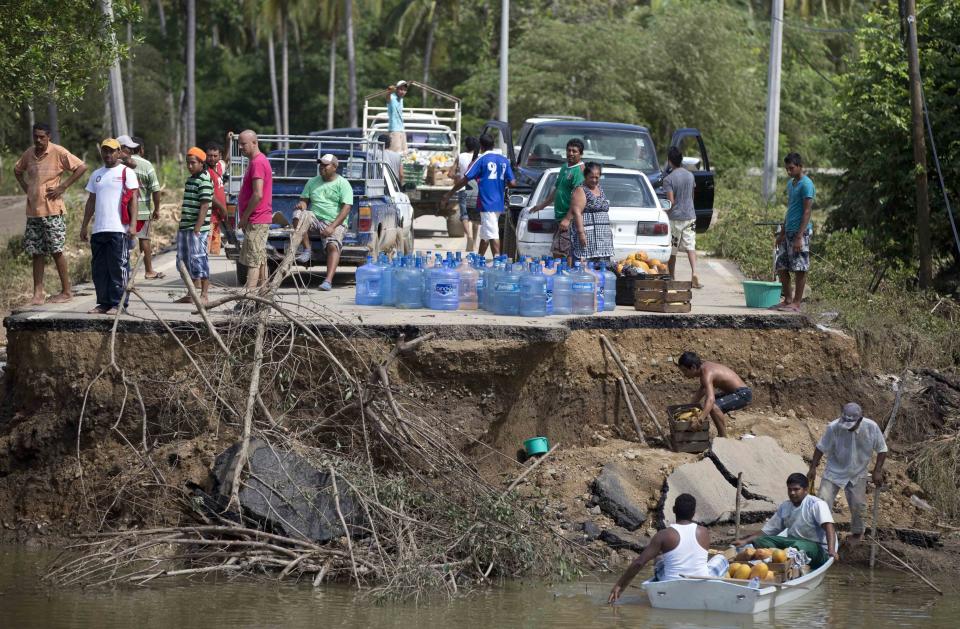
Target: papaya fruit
pixel 759 570
pixel 779 555
pixel 743 572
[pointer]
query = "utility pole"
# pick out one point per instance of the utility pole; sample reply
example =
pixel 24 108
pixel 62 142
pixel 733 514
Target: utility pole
pixel 117 109
pixel 770 156
pixel 504 56
pixel 919 149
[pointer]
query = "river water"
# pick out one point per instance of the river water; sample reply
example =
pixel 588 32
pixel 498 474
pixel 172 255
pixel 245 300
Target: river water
pixel 849 597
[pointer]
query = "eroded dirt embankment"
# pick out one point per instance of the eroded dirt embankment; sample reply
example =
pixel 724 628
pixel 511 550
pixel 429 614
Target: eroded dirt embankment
pixel 498 387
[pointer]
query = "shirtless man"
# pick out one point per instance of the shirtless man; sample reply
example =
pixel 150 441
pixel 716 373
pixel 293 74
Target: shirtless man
pixel 721 390
pixel 684 546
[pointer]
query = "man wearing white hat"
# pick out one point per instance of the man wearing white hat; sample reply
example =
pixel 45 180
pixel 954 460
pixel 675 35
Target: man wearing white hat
pixel 325 202
pixel 849 443
pixel 398 137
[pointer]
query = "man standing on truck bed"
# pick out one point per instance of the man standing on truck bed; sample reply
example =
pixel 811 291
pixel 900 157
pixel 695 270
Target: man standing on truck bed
pixel 569 179
pixel 721 390
pixel 493 173
pixel 329 198
pixel 255 207
pixel 398 137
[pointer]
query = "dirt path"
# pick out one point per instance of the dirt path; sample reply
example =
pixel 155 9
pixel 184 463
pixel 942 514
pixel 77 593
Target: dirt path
pixel 12 216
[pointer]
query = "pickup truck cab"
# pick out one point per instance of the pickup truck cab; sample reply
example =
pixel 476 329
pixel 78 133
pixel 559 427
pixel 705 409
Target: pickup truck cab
pixel 381 218
pixel 613 144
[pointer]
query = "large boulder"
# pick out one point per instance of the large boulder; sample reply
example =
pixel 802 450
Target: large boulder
pixel 618 539
pixel 764 464
pixel 284 492
pixel 716 497
pixel 618 498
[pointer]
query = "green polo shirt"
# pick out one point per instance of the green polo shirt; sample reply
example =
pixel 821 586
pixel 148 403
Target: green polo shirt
pixel 326 197
pixel 568 179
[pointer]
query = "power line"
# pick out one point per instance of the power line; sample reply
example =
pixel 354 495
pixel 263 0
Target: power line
pixel 936 161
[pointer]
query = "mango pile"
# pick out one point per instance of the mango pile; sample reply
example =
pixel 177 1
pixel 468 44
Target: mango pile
pixel 640 263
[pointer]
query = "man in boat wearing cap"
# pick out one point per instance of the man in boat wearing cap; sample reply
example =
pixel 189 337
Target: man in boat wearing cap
pixel 803 522
pixel 684 545
pixel 849 443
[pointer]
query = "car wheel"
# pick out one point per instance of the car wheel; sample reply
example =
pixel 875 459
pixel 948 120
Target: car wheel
pixel 454 226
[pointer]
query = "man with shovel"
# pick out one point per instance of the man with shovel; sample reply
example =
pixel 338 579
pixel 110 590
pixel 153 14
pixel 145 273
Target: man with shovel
pixel 849 443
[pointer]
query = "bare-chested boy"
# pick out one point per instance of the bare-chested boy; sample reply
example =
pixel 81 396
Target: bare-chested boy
pixel 721 390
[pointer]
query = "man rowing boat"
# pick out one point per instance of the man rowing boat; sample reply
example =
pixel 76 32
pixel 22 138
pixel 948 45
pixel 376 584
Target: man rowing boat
pixel 684 546
pixel 806 524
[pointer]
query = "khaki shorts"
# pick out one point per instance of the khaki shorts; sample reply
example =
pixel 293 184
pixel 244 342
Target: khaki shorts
pixel 398 141
pixel 317 226
pixel 253 252
pixel 683 236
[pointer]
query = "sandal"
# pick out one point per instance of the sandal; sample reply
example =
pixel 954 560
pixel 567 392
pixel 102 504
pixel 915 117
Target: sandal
pixel 97 310
pixel 156 276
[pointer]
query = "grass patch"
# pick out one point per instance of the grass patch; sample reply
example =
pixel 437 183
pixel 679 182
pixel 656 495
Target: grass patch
pixel 895 326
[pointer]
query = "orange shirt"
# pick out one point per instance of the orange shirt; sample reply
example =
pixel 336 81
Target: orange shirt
pixel 43 173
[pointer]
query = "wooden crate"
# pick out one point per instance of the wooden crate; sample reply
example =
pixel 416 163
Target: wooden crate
pixel 626 284
pixel 683 436
pixel 662 295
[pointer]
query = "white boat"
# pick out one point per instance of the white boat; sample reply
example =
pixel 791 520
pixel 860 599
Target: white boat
pixel 719 595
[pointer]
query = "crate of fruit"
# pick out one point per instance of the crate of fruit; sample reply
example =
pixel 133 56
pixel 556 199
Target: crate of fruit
pixel 686 433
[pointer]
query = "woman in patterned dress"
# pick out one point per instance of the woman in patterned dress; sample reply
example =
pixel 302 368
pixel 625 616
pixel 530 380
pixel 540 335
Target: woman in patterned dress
pixel 592 236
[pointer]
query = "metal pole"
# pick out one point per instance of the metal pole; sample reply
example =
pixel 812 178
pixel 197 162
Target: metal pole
pixel 919 149
pixel 504 56
pixel 770 164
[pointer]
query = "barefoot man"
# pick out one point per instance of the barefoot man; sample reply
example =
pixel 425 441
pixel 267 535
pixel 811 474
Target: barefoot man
pixel 721 390
pixel 38 172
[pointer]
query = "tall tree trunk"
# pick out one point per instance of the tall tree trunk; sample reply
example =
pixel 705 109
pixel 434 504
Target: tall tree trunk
pixel 129 92
pixel 173 144
pixel 215 35
pixel 298 44
pixel 272 62
pixel 53 116
pixel 285 68
pixel 826 13
pixel 191 72
pixel 119 123
pixel 351 64
pixel 162 16
pixel 332 84
pixel 428 50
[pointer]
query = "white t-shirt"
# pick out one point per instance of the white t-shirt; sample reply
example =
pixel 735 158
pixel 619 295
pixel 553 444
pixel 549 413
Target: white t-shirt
pixel 804 521
pixel 464 160
pixel 106 184
pixel 849 453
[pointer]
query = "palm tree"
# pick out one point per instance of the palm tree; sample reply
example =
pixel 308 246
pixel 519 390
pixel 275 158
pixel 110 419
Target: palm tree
pixel 414 16
pixel 351 63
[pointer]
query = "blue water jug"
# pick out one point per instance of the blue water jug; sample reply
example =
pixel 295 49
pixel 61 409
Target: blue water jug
pixel 444 287
pixel 610 290
pixel 481 267
pixel 584 290
pixel 506 296
pixel 533 292
pixel 369 284
pixel 408 285
pixel 562 292
pixel 386 283
pixel 600 286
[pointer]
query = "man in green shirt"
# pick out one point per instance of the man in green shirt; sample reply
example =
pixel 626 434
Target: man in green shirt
pixel 569 179
pixel 131 153
pixel 325 202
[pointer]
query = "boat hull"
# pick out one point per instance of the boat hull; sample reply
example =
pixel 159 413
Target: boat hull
pixel 732 598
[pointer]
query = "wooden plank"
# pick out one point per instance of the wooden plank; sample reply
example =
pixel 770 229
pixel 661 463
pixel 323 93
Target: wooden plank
pixel 685 426
pixel 663 295
pixel 663 284
pixel 692 448
pixel 661 307
pixel 690 437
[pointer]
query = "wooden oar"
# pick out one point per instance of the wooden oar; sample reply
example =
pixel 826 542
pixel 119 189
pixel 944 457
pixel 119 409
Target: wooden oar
pixel 763 584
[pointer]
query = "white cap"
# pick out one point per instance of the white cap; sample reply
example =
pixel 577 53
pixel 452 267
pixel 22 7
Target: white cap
pixel 851 412
pixel 127 141
pixel 329 158
pixel 401 83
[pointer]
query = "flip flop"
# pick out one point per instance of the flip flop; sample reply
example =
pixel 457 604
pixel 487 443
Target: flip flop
pixel 156 276
pixel 97 310
pixel 780 307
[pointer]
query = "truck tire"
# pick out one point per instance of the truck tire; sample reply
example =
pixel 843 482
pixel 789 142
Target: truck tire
pixel 241 274
pixel 406 242
pixel 454 226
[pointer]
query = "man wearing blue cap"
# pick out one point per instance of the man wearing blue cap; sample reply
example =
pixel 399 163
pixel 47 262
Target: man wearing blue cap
pixel 849 443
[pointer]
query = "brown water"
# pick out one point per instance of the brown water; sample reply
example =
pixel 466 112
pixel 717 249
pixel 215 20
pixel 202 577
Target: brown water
pixel 849 597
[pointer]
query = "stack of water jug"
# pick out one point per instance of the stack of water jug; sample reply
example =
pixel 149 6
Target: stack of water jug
pixel 526 288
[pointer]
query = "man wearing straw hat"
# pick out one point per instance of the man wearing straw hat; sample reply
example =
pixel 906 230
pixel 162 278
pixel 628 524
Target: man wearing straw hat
pixel 849 443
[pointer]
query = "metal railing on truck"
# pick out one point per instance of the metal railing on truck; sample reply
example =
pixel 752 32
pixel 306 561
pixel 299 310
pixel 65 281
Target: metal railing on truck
pixel 449 116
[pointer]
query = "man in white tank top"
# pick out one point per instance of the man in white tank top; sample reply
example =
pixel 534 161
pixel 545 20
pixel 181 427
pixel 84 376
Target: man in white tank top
pixel 684 546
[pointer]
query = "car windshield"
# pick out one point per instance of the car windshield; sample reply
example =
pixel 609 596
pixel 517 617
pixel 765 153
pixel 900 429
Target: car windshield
pixel 621 189
pixel 611 147
pixel 438 138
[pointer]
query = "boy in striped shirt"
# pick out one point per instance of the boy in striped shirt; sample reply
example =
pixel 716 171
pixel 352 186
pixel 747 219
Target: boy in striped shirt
pixel 195 224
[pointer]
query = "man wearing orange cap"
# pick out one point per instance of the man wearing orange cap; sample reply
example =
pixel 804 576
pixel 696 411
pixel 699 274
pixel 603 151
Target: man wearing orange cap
pixel 112 205
pixel 195 224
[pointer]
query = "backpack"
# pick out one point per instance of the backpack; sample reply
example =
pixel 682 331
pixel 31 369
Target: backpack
pixel 125 198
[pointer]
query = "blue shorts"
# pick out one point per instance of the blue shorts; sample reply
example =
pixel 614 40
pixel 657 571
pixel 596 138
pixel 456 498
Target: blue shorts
pixel 462 201
pixel 733 401
pixel 192 251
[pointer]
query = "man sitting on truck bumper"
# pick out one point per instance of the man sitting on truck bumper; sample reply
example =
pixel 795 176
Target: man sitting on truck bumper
pixel 329 198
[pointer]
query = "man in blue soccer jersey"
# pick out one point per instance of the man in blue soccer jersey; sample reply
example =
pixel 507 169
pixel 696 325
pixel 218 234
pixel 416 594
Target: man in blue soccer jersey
pixel 493 174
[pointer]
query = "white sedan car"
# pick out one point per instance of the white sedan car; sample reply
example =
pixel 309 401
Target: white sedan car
pixel 637 218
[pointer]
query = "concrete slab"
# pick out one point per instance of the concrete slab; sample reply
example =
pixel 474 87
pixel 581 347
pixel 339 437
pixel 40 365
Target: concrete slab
pixel 718 305
pixel 716 497
pixel 764 464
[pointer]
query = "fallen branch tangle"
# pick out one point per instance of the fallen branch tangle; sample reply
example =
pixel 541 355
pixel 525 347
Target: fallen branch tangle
pixel 409 513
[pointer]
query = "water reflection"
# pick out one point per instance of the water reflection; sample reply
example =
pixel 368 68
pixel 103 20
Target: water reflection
pixel 848 598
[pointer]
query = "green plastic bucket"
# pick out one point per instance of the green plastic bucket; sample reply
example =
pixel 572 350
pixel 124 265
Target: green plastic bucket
pixel 762 294
pixel 536 445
